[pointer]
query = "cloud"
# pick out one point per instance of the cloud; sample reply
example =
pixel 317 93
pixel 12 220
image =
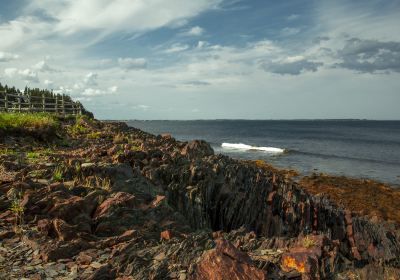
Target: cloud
pixel 113 89
pixel 70 17
pixel 293 17
pixel 42 66
pixel 48 83
pixel 26 75
pixel 290 31
pixel 294 65
pixel 132 63
pixel 142 107
pixel 319 39
pixel 176 48
pixel 370 56
pixel 93 92
pixel 6 56
pixel 90 79
pixel 195 31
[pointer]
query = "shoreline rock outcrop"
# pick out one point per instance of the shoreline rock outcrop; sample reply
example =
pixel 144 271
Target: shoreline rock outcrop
pixel 120 203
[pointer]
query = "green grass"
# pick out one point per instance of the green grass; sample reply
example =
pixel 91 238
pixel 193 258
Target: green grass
pixel 32 155
pixel 7 152
pixel 58 174
pixel 23 121
pixel 94 135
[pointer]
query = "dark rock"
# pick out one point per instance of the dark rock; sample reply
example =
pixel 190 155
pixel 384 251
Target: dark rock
pixel 197 149
pixel 226 262
pixel 105 272
pixel 115 214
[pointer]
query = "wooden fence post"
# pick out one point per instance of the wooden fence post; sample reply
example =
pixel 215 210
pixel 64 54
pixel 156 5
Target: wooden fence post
pixel 29 103
pixel 19 102
pixel 56 105
pixel 63 104
pixel 43 103
pixel 6 102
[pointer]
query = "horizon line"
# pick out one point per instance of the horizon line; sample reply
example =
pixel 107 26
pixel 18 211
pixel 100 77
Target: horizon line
pixel 300 119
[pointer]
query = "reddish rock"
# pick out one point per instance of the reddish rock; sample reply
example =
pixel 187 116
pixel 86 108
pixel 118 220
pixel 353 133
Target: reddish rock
pixel 157 201
pixel 61 250
pixel 111 241
pixel 120 199
pixel 45 226
pixel 84 258
pixel 69 209
pixel 63 230
pixel 313 256
pixel 226 262
pixel 166 235
pixel 166 135
pixel 197 148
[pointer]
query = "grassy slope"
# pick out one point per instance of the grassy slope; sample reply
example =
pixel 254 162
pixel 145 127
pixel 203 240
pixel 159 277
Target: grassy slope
pixel 20 122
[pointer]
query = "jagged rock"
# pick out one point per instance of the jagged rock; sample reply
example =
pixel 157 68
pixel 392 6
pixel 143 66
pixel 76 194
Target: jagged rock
pixel 84 259
pixel 62 250
pixel 115 214
pixel 226 262
pixel 104 272
pixel 314 256
pixel 64 231
pixel 197 149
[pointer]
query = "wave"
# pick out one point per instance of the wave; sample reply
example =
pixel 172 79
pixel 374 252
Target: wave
pixel 240 146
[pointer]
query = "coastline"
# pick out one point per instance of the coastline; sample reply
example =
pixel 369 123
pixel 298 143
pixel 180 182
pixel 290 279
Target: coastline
pixel 137 193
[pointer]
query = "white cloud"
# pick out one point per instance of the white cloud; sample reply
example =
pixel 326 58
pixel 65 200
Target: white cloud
pixel 290 31
pixel 93 92
pixel 130 63
pixel 42 66
pixel 202 44
pixel 176 48
pixel 111 16
pixel 90 79
pixel 10 72
pixel 26 75
pixel 48 83
pixel 142 107
pixel 113 89
pixel 293 17
pixel 6 56
pixel 195 31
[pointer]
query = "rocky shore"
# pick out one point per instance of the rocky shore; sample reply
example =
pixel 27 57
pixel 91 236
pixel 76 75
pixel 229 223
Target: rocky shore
pixel 101 200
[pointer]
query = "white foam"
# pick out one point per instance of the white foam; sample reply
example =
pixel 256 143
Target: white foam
pixel 240 146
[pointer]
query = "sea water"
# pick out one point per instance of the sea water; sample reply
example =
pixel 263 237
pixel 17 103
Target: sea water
pixel 355 148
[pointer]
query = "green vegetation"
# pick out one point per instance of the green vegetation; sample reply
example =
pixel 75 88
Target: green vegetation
pixel 58 174
pixel 119 139
pixel 23 121
pixel 94 135
pixel 7 152
pixel 308 242
pixel 18 211
pixel 32 155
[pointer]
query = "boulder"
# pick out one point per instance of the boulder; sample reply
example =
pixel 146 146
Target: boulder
pixel 226 262
pixel 115 215
pixel 197 149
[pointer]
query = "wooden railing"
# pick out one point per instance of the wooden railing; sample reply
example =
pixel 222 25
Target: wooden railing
pixel 18 102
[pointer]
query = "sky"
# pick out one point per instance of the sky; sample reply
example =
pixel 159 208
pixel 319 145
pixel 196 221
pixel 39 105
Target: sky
pixel 208 59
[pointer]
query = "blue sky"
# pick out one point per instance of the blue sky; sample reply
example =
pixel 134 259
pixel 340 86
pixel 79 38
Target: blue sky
pixel 207 59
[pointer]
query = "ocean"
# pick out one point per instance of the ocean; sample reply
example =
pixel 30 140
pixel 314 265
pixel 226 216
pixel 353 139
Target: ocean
pixel 354 148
